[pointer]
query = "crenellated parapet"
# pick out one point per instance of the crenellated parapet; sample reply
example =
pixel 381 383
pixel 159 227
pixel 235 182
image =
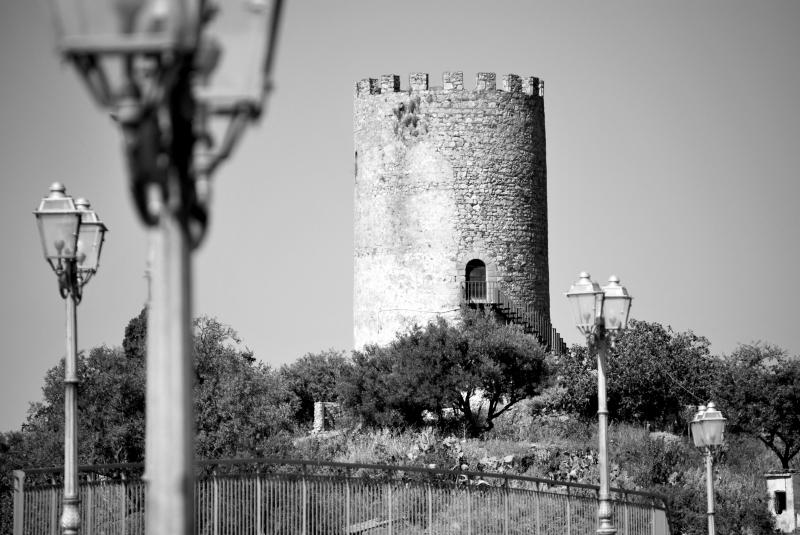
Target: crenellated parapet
pixel 451 81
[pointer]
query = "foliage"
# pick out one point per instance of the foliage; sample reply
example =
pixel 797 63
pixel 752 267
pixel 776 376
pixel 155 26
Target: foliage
pixel 134 344
pixel 368 388
pixel 653 374
pixel 503 365
pixel 110 411
pixel 314 377
pixel 479 369
pixel 758 391
pixel 12 456
pixel 240 407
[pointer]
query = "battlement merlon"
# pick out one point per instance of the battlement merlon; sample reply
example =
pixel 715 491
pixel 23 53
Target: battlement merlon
pixel 390 83
pixel 418 81
pixel 451 81
pixel 486 81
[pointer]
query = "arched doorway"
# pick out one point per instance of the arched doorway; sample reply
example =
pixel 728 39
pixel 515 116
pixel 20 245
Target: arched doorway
pixel 475 277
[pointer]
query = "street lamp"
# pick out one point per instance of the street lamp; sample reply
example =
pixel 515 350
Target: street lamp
pixel 72 237
pixel 600 315
pixel 158 67
pixel 708 430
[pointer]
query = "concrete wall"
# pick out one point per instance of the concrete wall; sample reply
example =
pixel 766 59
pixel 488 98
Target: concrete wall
pixel 444 175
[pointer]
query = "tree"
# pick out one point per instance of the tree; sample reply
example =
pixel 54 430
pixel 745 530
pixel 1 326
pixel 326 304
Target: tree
pixel 314 377
pixel 653 374
pixel 110 411
pixel 134 344
pixel 503 366
pixel 241 407
pixel 478 364
pixel 759 392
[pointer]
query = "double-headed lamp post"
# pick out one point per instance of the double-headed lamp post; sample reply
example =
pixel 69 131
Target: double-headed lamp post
pixel 72 237
pixel 708 431
pixel 158 68
pixel 600 314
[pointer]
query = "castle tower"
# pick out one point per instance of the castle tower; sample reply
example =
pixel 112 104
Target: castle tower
pixel 450 200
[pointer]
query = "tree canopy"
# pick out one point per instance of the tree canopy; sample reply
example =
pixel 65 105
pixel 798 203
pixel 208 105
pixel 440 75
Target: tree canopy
pixel 759 391
pixel 479 368
pixel 314 377
pixel 240 406
pixel 653 374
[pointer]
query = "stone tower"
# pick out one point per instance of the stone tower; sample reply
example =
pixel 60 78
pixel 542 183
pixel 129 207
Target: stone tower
pixel 450 201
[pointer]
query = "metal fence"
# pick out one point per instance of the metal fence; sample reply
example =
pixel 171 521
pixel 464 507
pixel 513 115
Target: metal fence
pixel 268 496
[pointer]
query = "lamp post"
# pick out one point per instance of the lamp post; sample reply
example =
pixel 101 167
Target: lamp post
pixel 600 314
pixel 708 431
pixel 155 66
pixel 72 237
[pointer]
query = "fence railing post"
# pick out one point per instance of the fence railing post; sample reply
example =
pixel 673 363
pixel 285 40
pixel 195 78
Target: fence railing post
pixel 54 527
pixel 505 507
pixel 653 527
pixel 537 508
pixel 259 498
pixel 569 513
pixel 19 500
pixel 89 520
pixel 430 509
pixel 625 515
pixel 215 503
pixel 469 509
pixel 347 506
pixel 305 502
pixel 389 496
pixel 124 505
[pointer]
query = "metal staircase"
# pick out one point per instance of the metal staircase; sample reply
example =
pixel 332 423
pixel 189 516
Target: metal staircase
pixel 490 293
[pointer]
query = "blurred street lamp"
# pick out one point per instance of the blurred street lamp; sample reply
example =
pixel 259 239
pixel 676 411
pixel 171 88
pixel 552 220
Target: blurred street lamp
pixel 182 78
pixel 72 237
pixel 708 431
pixel 600 314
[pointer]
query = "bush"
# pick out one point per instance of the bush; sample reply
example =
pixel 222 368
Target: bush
pixel 478 369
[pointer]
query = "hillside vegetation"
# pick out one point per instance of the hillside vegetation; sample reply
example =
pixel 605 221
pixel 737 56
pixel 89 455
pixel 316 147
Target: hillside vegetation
pixel 479 395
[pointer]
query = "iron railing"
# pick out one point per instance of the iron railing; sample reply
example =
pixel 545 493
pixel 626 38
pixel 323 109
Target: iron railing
pixel 292 497
pixel 530 319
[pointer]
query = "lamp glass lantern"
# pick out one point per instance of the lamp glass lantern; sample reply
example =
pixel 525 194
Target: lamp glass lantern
pixel 59 221
pixel 697 429
pixel 616 305
pixel 713 426
pixel 708 426
pixel 246 31
pixel 125 26
pixel 90 239
pixel 586 299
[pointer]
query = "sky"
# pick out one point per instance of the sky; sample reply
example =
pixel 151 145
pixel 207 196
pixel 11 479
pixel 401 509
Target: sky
pixel 673 149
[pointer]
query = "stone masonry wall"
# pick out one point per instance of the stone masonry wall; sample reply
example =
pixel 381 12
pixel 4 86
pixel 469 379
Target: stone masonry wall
pixel 445 175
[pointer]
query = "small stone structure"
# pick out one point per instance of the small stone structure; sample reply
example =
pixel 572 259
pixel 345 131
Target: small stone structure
pixel 325 413
pixel 784 499
pixel 448 180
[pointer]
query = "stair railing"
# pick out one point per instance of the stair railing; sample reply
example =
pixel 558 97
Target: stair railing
pixel 530 319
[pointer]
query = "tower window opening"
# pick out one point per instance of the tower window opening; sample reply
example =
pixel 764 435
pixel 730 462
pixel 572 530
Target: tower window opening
pixel 475 277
